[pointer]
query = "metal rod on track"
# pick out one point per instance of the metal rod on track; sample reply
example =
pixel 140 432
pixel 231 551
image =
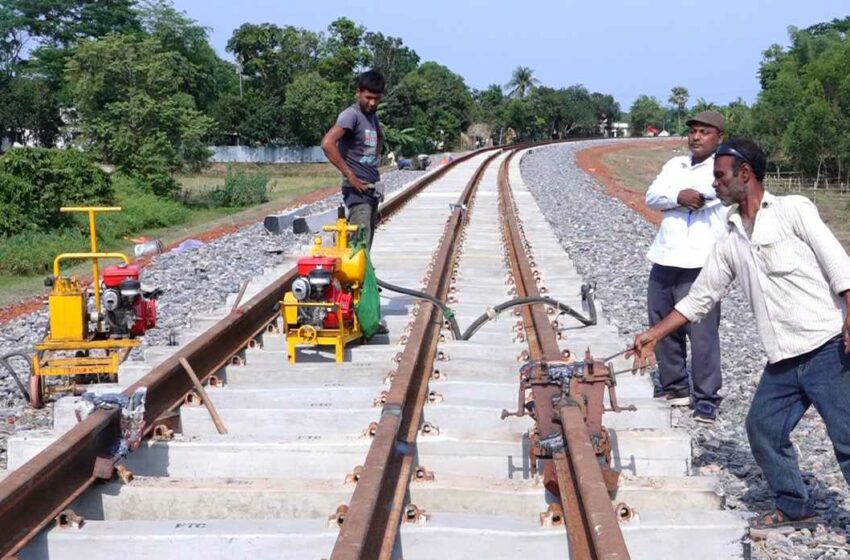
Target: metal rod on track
pixel 219 424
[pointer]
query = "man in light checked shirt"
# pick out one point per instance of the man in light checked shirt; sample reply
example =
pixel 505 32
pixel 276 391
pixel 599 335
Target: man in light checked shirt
pixel 796 276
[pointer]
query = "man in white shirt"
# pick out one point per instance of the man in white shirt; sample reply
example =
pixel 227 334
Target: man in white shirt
pixel 796 276
pixel 692 222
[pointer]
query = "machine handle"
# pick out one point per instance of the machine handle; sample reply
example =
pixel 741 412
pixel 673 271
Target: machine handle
pixel 349 228
pixel 94 256
pixel 90 209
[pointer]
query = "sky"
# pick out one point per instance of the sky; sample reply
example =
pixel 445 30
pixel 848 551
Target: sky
pixel 622 47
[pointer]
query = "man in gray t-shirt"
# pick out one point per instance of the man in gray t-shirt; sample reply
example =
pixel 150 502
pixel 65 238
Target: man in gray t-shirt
pixel 353 145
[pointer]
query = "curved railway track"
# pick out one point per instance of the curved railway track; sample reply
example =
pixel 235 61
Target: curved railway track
pixel 403 451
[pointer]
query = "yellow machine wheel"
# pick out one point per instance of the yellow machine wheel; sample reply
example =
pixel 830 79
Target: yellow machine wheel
pixel 307 334
pixel 36 391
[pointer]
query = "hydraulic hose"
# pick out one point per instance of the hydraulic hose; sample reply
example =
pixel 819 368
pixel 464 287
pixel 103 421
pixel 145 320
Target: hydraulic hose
pixel 492 313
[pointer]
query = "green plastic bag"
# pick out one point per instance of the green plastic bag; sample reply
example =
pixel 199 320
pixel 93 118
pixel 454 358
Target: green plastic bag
pixel 368 309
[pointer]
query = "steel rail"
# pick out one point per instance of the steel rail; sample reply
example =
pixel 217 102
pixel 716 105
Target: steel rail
pixel 374 515
pixel 593 530
pixel 34 494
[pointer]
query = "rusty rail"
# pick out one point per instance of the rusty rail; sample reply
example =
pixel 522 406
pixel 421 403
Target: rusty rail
pixel 33 495
pixel 376 508
pixel 592 527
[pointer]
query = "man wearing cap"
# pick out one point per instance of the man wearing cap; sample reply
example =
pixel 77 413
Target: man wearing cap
pixel 796 277
pixel 693 220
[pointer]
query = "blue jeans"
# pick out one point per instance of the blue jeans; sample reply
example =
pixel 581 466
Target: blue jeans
pixel 787 389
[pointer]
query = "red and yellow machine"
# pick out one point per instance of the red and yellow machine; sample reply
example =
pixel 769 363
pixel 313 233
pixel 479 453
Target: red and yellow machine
pixel 319 308
pixel 92 328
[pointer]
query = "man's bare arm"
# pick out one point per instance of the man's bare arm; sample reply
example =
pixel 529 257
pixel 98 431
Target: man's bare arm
pixel 329 146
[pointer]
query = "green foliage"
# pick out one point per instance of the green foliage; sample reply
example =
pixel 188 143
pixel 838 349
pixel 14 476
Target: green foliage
pixel 803 111
pixel 432 100
pixel 402 142
pixel 131 95
pixel 522 82
pixel 38 181
pixel 645 111
pixel 311 107
pixel 343 52
pixel 29 110
pixel 30 253
pixel 141 210
pixel 27 253
pixel 242 189
pixel 389 56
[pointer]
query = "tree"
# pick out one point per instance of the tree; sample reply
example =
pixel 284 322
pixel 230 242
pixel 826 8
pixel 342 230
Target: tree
pixel 131 94
pixel 522 82
pixel 645 111
pixel 343 52
pixel 389 56
pixel 432 100
pixel 269 57
pixel 210 77
pixel 607 110
pixel 311 106
pixel 679 98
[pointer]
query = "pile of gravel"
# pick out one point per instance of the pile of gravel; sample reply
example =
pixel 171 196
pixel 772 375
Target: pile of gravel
pixel 607 242
pixel 194 282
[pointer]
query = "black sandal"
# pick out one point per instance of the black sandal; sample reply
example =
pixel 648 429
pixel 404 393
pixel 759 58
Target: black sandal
pixel 777 519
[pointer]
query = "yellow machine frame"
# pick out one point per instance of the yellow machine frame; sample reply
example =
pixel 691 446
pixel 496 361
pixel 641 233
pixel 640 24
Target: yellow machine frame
pixel 308 335
pixel 68 325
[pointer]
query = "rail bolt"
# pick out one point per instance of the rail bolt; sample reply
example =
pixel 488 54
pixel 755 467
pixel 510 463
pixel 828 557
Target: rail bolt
pixel 625 513
pixel 437 375
pixel 381 399
pixel 371 430
pixel 442 356
pixel 354 476
pixel 215 381
pixel 412 514
pixel 161 432
pixel 552 517
pixel 434 397
pixel 337 518
pixel 523 356
pixel 193 399
pixel 68 519
pixel 429 429
pixel 422 475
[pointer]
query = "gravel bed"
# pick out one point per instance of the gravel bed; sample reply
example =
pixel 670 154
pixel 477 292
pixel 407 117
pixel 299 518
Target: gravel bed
pixel 608 242
pixel 194 282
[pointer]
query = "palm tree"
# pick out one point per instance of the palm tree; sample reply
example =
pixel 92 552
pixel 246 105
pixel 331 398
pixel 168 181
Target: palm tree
pixel 679 98
pixel 522 81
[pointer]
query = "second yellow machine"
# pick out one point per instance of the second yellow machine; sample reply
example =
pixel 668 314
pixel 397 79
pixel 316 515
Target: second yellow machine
pixel 319 309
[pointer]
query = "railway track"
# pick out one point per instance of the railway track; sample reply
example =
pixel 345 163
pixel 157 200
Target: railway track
pixel 404 450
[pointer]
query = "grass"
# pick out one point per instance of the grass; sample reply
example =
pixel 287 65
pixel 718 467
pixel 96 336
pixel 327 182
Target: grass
pixel 635 168
pixel 156 219
pixel 286 181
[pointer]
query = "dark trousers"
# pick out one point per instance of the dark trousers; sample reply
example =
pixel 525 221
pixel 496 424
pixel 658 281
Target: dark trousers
pixel 364 215
pixel 786 390
pixel 668 285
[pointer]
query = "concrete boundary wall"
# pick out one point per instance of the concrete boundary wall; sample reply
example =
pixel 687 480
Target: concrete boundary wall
pixel 267 154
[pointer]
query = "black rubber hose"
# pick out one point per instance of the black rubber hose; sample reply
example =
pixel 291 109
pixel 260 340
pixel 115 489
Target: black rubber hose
pixel 447 312
pixel 586 293
pixel 516 302
pixel 11 370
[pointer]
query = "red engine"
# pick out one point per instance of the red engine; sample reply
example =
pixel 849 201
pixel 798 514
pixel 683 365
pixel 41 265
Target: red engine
pixel 128 310
pixel 316 283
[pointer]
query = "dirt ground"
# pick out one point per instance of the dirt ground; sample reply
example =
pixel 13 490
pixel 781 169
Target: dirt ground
pixel 627 168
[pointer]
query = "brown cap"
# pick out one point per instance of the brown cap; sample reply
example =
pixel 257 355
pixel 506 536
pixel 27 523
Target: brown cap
pixel 711 118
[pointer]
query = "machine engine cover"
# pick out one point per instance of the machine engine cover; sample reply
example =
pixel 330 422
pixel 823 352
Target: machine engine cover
pixel 308 264
pixel 115 274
